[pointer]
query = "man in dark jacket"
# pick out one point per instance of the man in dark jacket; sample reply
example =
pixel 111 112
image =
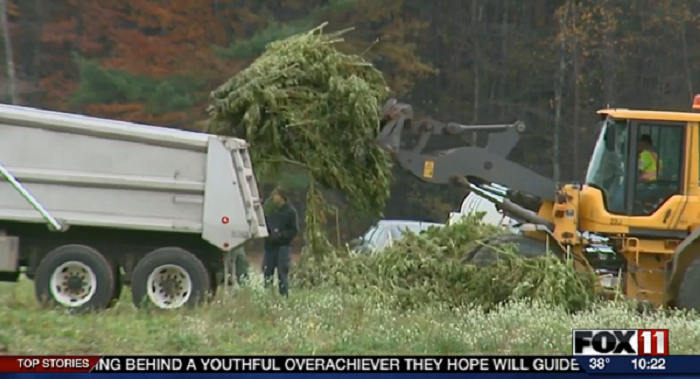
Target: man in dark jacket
pixel 283 226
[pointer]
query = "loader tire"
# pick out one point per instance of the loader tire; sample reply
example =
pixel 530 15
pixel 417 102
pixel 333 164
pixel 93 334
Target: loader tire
pixel 170 278
pixel 688 296
pixel 76 277
pixel 488 252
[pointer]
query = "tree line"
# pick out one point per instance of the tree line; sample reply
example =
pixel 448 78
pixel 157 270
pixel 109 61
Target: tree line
pixel 549 63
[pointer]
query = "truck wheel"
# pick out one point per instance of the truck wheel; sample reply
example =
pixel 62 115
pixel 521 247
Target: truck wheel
pixel 169 278
pixel 688 296
pixel 76 277
pixel 488 252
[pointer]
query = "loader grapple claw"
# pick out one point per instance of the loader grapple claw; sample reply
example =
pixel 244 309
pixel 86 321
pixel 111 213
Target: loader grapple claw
pixel 472 163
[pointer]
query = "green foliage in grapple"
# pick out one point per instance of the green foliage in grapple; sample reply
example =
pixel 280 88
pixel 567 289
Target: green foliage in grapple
pixel 430 268
pixel 304 103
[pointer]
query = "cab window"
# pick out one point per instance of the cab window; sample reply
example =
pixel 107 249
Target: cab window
pixel 608 165
pixel 659 167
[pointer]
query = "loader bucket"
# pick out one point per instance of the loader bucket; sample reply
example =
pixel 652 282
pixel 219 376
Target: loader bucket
pixel 395 117
pixel 398 117
pixel 477 164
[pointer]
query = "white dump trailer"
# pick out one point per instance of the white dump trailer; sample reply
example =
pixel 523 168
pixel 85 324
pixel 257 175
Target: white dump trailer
pixel 88 205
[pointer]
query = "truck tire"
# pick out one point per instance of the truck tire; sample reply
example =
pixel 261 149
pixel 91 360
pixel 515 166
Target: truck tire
pixel 169 278
pixel 77 277
pixel 688 296
pixel 488 252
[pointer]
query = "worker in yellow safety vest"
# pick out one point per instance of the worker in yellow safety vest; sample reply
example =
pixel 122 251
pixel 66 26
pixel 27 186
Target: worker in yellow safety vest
pixel 648 161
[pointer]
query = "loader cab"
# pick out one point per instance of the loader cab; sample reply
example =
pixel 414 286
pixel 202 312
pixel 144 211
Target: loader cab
pixel 638 163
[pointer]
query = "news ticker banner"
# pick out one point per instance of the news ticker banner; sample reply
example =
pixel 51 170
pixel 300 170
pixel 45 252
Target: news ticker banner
pixel 633 351
pixel 357 364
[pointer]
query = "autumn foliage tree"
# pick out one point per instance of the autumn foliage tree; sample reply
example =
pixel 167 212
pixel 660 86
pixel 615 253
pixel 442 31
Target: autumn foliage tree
pixel 545 62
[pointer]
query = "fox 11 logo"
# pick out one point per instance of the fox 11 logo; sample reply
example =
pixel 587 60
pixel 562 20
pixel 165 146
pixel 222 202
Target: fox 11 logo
pixel 589 342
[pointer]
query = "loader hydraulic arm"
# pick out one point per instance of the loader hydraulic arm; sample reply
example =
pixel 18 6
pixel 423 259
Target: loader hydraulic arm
pixel 487 164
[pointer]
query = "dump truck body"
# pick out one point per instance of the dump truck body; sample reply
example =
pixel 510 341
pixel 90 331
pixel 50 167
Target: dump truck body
pixel 95 172
pixel 122 188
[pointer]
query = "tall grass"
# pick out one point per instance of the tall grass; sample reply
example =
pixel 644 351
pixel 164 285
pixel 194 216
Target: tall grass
pixel 320 321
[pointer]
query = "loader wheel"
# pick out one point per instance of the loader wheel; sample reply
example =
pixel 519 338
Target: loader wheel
pixel 688 296
pixel 76 277
pixel 488 252
pixel 170 278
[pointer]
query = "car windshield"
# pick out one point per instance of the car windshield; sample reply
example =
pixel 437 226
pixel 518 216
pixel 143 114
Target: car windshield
pixel 607 167
pixel 368 235
pixel 399 230
pixel 379 237
pixel 396 232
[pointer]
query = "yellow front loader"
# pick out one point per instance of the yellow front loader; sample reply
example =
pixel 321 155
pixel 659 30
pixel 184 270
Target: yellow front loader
pixel 638 234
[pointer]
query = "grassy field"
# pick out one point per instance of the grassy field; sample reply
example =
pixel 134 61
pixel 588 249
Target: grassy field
pixel 253 321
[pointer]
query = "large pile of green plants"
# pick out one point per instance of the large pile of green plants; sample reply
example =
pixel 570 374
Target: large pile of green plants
pixel 431 267
pixel 306 104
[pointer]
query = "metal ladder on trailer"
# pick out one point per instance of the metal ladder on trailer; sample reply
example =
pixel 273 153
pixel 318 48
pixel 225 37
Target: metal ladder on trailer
pixel 254 208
